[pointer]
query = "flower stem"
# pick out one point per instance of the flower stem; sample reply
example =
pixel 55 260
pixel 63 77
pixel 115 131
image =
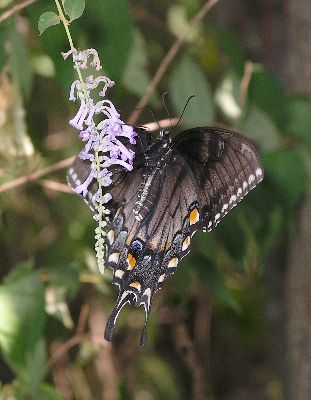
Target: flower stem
pixel 66 26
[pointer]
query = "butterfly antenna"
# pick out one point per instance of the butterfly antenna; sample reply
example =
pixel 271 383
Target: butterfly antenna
pixel 152 113
pixel 190 98
pixel 165 106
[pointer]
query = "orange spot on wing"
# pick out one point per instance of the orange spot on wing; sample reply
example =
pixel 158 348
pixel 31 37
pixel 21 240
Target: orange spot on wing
pixel 131 261
pixel 135 285
pixel 194 216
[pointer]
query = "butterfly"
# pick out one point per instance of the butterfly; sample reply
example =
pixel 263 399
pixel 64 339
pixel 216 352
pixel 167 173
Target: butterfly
pixel 177 186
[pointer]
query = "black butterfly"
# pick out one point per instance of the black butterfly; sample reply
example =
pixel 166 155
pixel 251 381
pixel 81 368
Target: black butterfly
pixel 176 187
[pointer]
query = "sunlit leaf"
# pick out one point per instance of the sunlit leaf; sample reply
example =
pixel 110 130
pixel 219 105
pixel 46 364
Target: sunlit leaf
pixel 227 97
pixel 178 23
pixel 56 305
pixel 46 20
pixel 74 8
pixel 187 80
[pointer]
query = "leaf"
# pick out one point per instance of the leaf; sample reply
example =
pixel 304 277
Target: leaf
pixel 19 59
pixel 285 171
pixel 267 93
pixel 231 46
pixel 208 273
pixel 136 76
pixel 299 119
pixel 22 317
pixel 114 29
pixel 160 378
pixel 227 97
pixel 260 128
pixel 74 8
pixel 36 367
pixel 187 80
pixel 46 20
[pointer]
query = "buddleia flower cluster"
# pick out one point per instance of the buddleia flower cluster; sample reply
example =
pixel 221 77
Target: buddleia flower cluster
pixel 100 128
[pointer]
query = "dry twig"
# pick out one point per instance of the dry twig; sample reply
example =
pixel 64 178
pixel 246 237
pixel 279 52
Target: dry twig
pixel 18 7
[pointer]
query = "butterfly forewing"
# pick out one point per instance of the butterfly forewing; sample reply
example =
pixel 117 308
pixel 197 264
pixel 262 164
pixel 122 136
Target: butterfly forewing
pixel 225 165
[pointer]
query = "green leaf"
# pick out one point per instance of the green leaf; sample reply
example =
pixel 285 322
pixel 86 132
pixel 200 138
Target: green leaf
pixel 299 119
pixel 187 80
pixel 208 273
pixel 259 127
pixel 114 29
pixel 231 46
pixel 160 378
pixel 74 8
pixel 46 20
pixel 285 171
pixel 22 317
pixel 36 367
pixel 267 93
pixel 19 58
pixel 136 76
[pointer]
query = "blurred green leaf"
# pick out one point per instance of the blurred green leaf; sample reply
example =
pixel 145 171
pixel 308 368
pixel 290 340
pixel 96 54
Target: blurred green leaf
pixel 36 368
pixel 46 20
pixel 208 273
pixel 19 59
pixel 233 49
pixel 65 276
pixel 299 119
pixel 48 392
pixel 267 93
pixel 5 3
pixel 74 8
pixel 286 172
pixel 259 127
pixel 22 317
pixel 160 377
pixel 3 52
pixel 187 80
pixel 136 76
pixel 115 34
pixel 178 23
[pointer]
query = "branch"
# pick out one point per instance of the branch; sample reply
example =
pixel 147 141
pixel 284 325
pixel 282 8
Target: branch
pixel 36 175
pixel 18 7
pixel 168 59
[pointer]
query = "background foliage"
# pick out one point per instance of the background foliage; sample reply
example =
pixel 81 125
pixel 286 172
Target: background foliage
pixel 212 332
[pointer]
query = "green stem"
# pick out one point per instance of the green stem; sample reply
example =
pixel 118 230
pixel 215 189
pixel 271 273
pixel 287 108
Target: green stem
pixel 66 26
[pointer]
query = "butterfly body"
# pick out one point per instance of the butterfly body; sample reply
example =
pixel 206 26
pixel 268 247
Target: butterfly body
pixel 177 186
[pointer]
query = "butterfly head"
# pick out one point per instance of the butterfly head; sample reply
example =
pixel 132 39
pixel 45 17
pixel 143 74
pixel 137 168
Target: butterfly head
pixel 165 133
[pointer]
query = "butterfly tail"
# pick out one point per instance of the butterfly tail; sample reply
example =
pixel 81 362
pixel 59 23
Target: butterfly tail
pixel 124 298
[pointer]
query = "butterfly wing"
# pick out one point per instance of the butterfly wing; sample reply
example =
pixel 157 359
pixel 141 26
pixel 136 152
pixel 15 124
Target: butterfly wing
pixel 226 167
pixel 206 172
